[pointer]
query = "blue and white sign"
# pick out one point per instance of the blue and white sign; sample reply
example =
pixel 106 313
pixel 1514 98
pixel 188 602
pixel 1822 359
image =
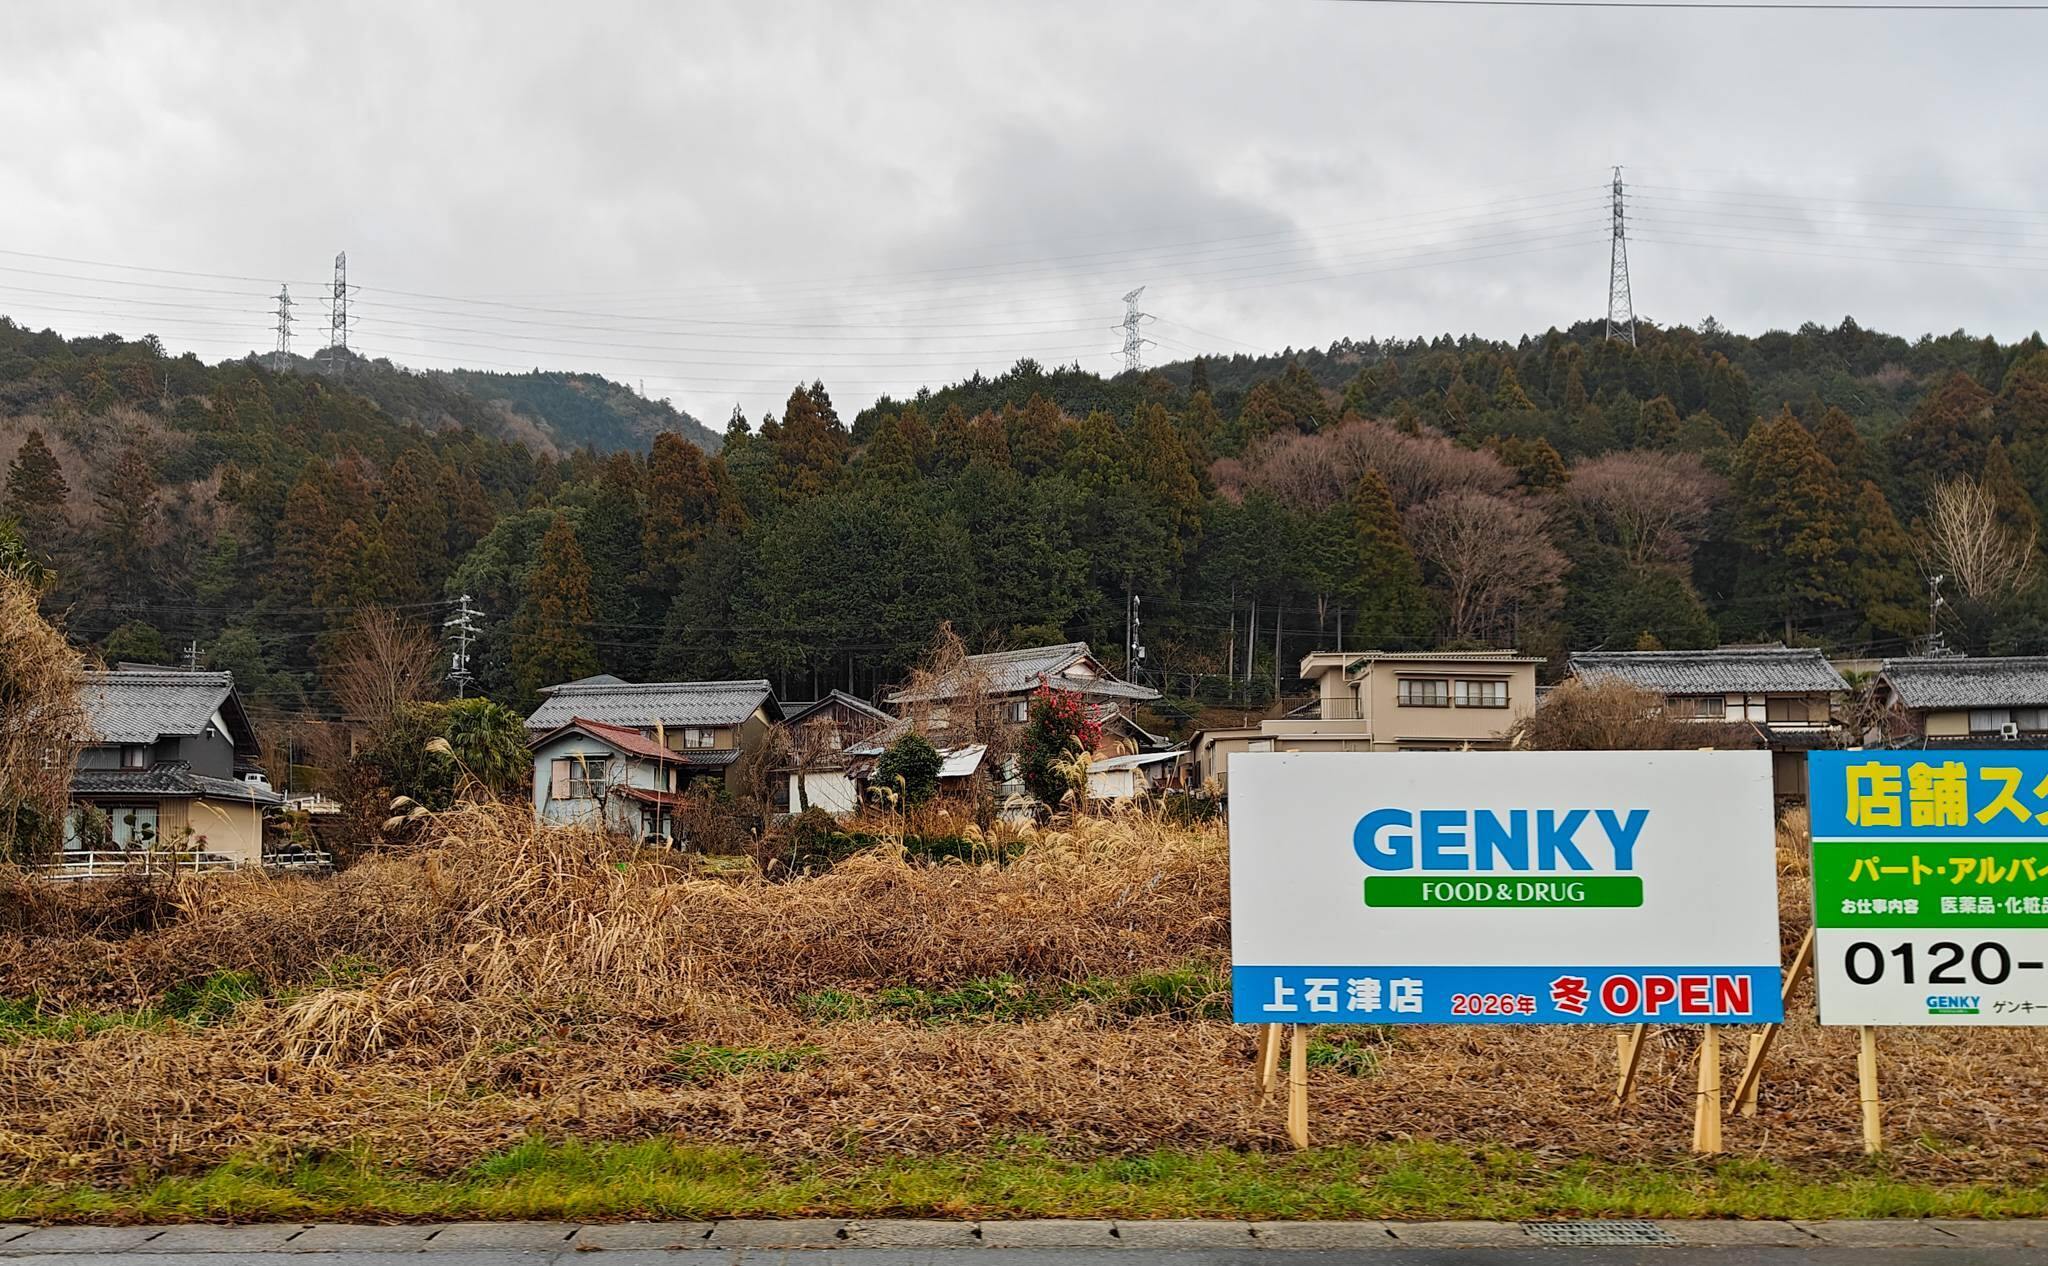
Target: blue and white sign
pixel 1503 888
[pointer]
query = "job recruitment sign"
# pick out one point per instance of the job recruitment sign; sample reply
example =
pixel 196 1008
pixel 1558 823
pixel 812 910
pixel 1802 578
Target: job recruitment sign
pixel 1930 886
pixel 1502 888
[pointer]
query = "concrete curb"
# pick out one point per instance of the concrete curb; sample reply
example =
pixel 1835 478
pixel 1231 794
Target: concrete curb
pixel 830 1234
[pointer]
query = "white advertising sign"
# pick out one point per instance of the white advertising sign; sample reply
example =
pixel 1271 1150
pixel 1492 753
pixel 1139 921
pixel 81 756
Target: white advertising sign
pixel 1503 888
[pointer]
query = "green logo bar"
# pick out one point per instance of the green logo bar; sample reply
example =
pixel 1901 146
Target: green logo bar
pixel 1558 890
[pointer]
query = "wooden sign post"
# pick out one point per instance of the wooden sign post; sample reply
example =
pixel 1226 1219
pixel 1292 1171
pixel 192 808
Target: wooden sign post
pixel 1866 1081
pixel 1760 1044
pixel 1706 1112
pixel 1295 1037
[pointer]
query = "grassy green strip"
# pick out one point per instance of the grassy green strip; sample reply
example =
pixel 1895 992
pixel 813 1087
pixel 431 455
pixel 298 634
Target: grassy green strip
pixel 666 1179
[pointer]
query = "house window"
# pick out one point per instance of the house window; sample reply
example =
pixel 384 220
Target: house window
pixel 2032 720
pixel 1792 708
pixel 700 736
pixel 135 825
pixel 134 757
pixel 1020 710
pixel 1482 694
pixel 577 777
pixel 1702 707
pixel 1989 720
pixel 1424 692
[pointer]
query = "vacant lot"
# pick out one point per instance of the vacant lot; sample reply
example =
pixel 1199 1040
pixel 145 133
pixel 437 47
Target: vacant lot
pixel 430 1032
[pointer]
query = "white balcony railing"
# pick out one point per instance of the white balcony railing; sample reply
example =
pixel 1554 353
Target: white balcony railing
pixel 127 863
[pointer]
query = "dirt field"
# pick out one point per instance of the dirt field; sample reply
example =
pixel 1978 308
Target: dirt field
pixel 503 983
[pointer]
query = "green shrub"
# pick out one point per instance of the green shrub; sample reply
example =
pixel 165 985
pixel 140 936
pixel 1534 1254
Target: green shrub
pixel 910 766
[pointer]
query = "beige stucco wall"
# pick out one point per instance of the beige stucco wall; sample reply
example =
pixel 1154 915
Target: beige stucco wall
pixel 1946 724
pixel 1393 725
pixel 230 828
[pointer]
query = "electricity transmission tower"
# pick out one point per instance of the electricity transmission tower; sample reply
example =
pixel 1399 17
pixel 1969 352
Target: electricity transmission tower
pixel 284 328
pixel 1621 306
pixel 1133 328
pixel 462 627
pixel 337 327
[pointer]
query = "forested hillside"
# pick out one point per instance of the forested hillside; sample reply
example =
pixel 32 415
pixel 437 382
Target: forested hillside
pixel 1562 492
pixel 583 410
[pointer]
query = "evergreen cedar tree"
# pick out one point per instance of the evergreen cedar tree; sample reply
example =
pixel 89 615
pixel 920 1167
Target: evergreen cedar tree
pixel 253 511
pixel 1057 728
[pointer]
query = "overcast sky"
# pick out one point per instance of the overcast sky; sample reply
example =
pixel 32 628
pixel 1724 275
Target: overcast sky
pixel 720 199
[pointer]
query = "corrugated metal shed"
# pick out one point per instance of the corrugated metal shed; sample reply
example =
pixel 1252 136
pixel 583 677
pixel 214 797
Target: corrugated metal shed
pixel 1952 681
pixel 141 705
pixel 1728 670
pixel 665 702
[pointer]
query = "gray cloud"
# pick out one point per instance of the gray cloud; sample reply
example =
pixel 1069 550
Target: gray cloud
pixel 722 199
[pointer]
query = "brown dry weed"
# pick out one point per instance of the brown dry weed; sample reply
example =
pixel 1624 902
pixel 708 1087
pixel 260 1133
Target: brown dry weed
pixel 505 981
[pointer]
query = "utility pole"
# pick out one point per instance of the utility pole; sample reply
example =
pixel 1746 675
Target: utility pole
pixel 1133 328
pixel 337 328
pixel 284 329
pixel 192 656
pixel 1621 306
pixel 1934 604
pixel 462 627
pixel 1134 650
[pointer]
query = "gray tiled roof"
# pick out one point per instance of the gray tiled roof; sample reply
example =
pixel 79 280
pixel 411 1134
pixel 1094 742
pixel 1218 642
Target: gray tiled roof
pixel 666 702
pixel 1014 672
pixel 141 705
pixel 2019 681
pixel 168 779
pixel 1728 670
pixel 794 712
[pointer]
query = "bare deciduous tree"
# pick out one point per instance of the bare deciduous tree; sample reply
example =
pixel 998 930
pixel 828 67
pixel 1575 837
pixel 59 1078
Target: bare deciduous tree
pixel 1652 505
pixel 1314 472
pixel 42 722
pixel 1612 716
pixel 1493 556
pixel 382 663
pixel 1963 540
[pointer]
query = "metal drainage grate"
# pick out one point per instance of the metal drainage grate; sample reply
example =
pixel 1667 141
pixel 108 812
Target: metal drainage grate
pixel 1619 1232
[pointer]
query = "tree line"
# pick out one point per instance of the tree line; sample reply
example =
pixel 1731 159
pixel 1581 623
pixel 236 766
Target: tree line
pixel 1556 493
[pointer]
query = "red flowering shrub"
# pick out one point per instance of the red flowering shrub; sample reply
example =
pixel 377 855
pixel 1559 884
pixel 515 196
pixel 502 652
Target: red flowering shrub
pixel 1058 727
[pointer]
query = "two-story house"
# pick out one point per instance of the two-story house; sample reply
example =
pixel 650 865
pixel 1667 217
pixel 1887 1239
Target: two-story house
pixel 1953 701
pixel 1010 678
pixel 1785 695
pixel 170 762
pixel 821 736
pixel 1385 701
pixel 704 727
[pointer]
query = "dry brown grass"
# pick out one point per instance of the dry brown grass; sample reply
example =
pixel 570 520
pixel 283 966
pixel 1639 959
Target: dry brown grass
pixel 539 981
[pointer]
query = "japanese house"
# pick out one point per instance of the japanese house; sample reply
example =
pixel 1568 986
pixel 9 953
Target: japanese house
pixel 1785 696
pixel 587 773
pixel 820 736
pixel 704 726
pixel 171 762
pixel 1384 701
pixel 1010 678
pixel 1954 701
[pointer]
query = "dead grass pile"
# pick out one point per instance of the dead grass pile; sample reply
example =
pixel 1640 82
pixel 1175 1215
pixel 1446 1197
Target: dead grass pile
pixel 507 981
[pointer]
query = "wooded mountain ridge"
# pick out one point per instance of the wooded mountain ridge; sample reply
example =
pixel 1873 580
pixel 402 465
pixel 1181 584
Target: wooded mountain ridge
pixel 1563 491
